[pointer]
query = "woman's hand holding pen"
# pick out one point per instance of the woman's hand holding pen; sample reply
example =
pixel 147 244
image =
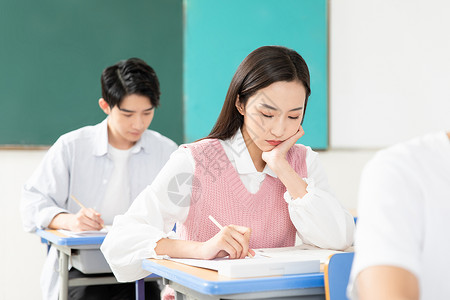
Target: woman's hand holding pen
pixel 232 241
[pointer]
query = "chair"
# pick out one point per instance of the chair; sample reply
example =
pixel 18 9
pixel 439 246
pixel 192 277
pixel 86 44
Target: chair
pixel 337 273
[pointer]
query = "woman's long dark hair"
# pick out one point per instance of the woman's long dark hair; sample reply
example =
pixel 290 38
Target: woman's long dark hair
pixel 261 68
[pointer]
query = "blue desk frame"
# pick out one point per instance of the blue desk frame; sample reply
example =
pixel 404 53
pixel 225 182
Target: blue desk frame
pixel 49 236
pixel 301 286
pixel 64 246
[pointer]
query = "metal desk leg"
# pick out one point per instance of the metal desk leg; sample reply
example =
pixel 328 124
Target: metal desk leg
pixel 140 289
pixel 64 275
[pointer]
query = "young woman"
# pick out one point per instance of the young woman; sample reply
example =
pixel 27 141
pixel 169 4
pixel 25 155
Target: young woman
pixel 248 172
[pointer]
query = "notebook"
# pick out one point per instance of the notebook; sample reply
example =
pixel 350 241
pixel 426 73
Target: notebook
pixel 260 265
pixel 101 232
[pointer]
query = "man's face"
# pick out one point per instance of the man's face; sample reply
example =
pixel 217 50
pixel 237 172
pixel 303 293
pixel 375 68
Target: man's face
pixel 127 123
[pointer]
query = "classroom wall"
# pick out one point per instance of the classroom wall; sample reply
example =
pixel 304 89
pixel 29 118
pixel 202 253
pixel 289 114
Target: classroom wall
pixel 389 71
pixel 376 98
pixel 21 254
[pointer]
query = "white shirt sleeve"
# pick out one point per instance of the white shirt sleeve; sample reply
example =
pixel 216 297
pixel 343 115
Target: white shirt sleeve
pixel 319 217
pixel 45 193
pixel 151 217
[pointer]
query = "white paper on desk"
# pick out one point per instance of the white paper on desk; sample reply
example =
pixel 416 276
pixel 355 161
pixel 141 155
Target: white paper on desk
pixel 255 267
pixel 301 251
pixel 101 232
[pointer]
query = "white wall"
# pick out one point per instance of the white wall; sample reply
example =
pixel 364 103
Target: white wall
pixel 389 67
pixel 388 82
pixel 21 254
pixel 343 168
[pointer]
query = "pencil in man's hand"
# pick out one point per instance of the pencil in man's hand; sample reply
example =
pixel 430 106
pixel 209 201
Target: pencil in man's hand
pixel 77 201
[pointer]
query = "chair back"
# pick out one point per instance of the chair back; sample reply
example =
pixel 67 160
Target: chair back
pixel 337 273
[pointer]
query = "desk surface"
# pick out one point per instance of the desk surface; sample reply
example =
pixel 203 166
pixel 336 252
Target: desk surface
pixel 57 238
pixel 210 282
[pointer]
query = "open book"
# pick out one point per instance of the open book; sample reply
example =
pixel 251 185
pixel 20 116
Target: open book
pixel 101 232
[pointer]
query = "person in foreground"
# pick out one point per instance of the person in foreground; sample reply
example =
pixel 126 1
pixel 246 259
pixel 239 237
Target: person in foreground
pixel 402 244
pixel 248 174
pixel 104 166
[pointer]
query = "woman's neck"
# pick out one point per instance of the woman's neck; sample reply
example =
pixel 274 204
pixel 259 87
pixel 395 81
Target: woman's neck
pixel 253 150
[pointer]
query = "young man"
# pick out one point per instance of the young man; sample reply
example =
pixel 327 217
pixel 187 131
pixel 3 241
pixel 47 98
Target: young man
pixel 403 216
pixel 105 166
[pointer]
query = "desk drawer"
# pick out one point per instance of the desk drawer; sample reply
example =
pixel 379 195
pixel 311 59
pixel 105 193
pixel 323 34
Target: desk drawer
pixel 90 261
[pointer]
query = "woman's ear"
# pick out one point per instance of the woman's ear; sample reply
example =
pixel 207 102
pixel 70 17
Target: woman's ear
pixel 104 106
pixel 239 106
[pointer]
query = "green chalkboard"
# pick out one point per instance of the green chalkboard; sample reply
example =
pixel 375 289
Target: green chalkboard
pixel 52 53
pixel 220 34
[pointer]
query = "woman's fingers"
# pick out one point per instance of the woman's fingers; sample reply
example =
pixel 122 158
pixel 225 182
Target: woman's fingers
pixel 279 152
pixel 237 240
pixel 242 235
pixel 287 144
pixel 232 240
pixel 232 247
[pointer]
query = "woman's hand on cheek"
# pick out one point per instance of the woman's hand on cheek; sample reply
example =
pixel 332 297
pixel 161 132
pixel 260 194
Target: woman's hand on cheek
pixel 279 152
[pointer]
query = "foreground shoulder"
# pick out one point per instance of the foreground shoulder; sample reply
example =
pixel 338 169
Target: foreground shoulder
pixel 402 154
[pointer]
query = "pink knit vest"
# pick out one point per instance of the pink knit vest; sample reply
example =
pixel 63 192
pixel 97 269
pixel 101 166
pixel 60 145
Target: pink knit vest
pixel 218 191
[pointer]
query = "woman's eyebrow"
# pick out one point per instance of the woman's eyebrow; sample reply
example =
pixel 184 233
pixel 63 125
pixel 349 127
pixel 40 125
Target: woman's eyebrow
pixel 268 106
pixel 274 108
pixel 298 108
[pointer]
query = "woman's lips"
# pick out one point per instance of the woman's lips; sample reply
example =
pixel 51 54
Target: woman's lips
pixel 274 143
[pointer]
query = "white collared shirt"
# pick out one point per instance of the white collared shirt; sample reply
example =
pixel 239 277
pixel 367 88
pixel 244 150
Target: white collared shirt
pixel 319 218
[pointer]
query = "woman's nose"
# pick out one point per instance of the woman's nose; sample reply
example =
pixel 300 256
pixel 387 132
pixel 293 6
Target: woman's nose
pixel 278 128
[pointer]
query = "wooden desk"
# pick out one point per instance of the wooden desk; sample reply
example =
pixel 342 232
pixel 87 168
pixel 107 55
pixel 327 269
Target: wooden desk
pixel 208 284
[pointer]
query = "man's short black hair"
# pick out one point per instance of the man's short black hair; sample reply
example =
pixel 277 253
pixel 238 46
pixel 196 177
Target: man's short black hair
pixel 127 77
